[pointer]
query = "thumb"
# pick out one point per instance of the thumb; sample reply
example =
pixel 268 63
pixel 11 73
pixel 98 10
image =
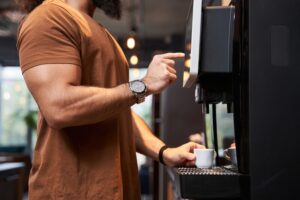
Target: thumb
pixel 189 156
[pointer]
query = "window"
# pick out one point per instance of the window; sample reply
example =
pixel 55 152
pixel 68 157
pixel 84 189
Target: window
pixel 15 104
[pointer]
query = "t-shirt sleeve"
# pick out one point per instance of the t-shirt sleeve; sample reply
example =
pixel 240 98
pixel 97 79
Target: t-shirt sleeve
pixel 49 35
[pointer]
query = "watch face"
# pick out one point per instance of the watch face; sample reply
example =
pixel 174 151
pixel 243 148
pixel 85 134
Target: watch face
pixel 138 86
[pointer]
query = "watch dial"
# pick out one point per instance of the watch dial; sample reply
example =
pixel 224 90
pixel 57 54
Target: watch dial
pixel 138 86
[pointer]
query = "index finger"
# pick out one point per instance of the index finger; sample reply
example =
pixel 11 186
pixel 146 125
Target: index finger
pixel 172 55
pixel 195 145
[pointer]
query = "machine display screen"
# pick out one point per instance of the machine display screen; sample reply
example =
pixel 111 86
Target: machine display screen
pixel 192 44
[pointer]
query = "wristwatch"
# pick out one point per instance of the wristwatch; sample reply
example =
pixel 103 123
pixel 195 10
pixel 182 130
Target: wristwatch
pixel 139 89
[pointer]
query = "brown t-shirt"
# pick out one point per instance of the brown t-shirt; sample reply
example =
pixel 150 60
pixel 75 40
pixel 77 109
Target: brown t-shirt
pixel 85 162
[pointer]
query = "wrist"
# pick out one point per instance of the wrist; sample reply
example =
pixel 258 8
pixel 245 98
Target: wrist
pixel 161 157
pixel 128 93
pixel 149 91
pixel 139 89
pixel 167 157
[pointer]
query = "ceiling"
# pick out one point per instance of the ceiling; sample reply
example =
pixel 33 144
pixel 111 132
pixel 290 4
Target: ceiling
pixel 153 18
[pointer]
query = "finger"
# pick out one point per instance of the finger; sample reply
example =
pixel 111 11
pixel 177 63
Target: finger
pixel 172 77
pixel 190 163
pixel 171 70
pixel 194 145
pixel 172 55
pixel 199 146
pixel 189 156
pixel 169 62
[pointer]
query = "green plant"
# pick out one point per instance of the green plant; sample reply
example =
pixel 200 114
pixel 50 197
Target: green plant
pixel 31 119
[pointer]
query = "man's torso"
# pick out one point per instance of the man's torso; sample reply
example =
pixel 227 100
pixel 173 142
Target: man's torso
pixel 93 161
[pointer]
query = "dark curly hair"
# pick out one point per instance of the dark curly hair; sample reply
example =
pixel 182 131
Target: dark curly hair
pixel 28 5
pixel 112 8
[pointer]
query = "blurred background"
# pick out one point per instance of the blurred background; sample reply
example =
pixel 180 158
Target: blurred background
pixel 147 27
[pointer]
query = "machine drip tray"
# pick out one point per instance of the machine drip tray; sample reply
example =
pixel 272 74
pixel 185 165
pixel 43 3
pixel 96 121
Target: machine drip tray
pixel 215 183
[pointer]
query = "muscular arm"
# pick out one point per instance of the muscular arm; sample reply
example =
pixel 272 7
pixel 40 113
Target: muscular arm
pixel 64 103
pixel 148 144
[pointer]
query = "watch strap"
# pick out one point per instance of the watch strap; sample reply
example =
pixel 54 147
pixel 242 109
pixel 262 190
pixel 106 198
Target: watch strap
pixel 139 98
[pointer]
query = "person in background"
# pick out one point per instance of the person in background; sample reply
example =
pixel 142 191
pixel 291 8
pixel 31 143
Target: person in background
pixel 87 134
pixel 197 138
pixel 232 144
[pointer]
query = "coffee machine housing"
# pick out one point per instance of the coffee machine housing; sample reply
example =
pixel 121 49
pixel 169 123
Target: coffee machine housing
pixel 259 80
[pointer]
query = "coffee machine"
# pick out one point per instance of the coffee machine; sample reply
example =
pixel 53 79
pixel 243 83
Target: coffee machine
pixel 247 57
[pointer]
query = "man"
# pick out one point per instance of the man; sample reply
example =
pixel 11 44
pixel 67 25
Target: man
pixel 78 75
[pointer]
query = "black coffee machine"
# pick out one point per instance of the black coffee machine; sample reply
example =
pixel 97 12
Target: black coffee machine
pixel 256 72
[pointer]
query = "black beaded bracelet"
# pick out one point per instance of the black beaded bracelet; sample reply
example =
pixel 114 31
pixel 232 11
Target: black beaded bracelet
pixel 160 154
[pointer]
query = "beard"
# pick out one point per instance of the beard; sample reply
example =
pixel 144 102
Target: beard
pixel 111 8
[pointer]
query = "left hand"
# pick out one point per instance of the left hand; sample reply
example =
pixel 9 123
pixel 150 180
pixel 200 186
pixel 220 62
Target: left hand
pixel 182 155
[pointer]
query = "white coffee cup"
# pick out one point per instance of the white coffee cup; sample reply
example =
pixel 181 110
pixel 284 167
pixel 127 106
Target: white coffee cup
pixel 230 154
pixel 204 157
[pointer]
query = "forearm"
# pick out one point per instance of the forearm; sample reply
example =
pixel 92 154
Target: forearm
pixel 80 105
pixel 146 142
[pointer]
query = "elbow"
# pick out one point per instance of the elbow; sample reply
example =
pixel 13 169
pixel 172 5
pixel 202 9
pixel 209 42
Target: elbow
pixel 55 120
pixel 55 124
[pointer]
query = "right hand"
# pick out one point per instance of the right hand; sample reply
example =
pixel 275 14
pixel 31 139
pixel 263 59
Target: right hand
pixel 161 72
pixel 182 155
